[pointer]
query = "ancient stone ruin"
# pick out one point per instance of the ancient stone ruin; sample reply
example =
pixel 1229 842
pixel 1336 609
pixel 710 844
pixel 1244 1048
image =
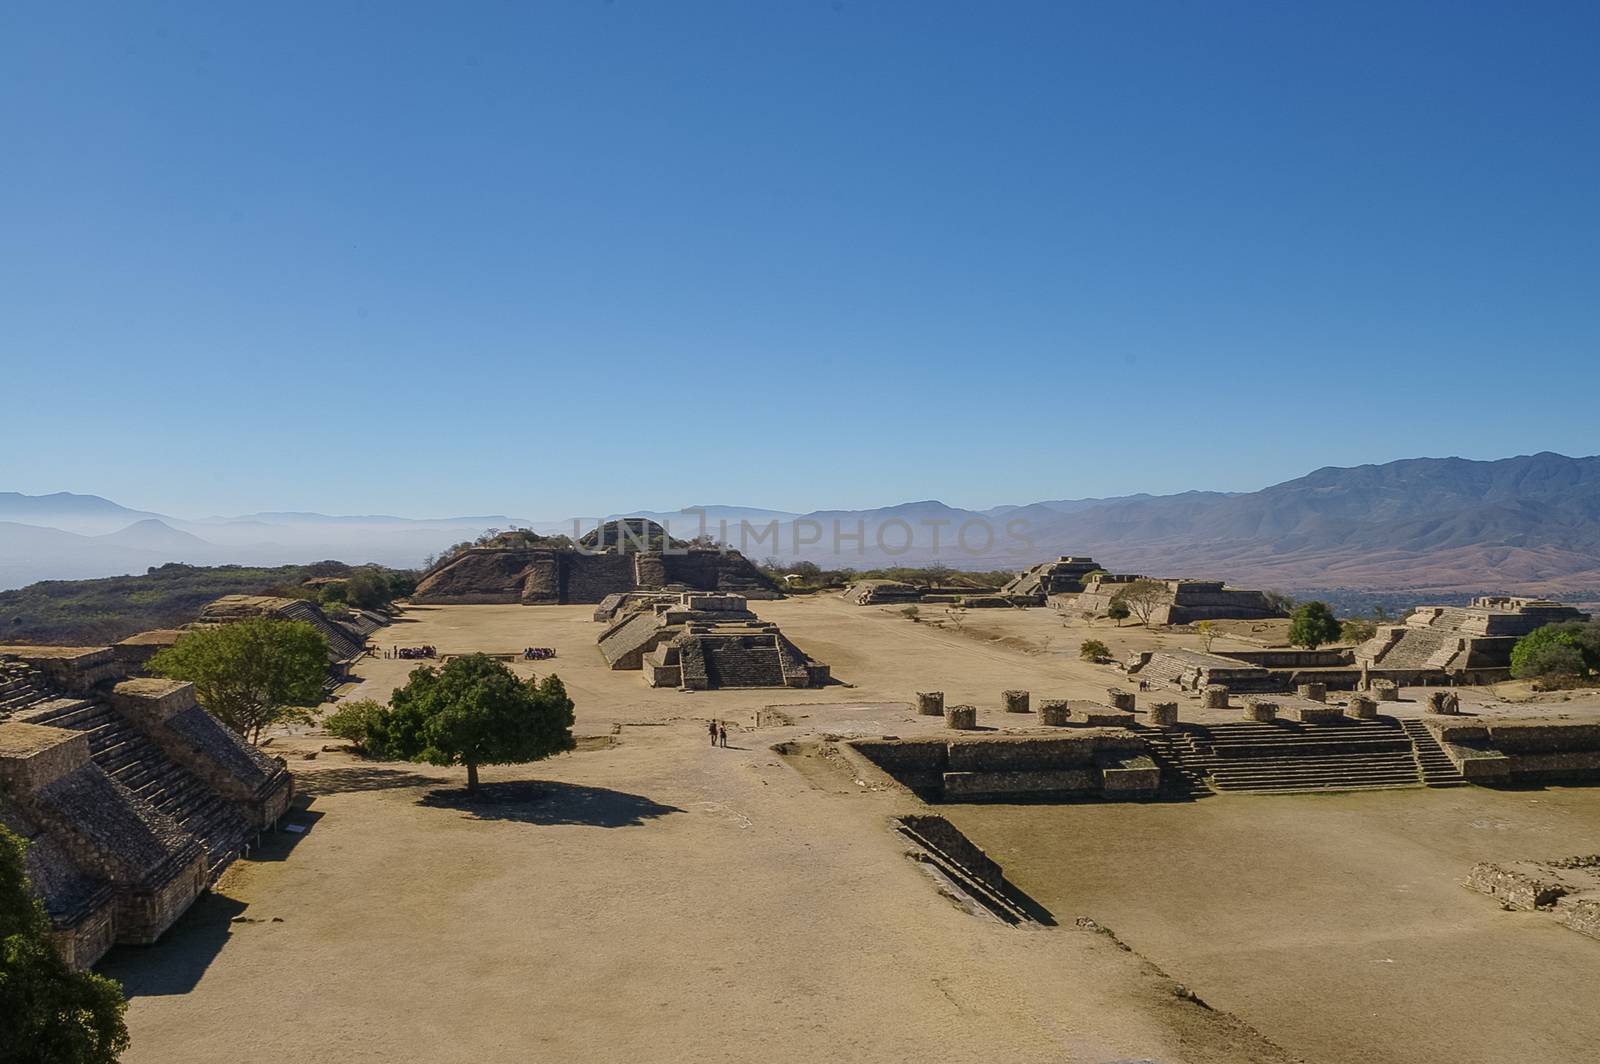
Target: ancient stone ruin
pixel 1567 888
pixel 133 798
pixel 701 641
pixel 346 638
pixel 882 593
pixel 1106 763
pixel 1064 576
pixel 616 558
pixel 1467 644
pixel 1184 601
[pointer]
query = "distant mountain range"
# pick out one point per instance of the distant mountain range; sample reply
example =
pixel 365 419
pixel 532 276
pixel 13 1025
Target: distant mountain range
pixel 1446 525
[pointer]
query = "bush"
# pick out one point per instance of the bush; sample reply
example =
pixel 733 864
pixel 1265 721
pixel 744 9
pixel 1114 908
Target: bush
pixel 1093 650
pixel 911 613
pixel 1313 625
pixel 1357 631
pixel 353 721
pixel 1570 649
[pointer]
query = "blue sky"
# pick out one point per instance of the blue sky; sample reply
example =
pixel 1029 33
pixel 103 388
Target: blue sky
pixel 576 257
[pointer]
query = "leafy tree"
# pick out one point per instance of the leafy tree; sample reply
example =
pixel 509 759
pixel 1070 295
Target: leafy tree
pixel 368 589
pixel 333 594
pixel 1356 630
pixel 1118 611
pixel 250 674
pixel 1093 650
pixel 475 711
pixel 354 722
pixel 1313 625
pixel 1571 648
pixel 1143 597
pixel 49 1014
pixel 1207 630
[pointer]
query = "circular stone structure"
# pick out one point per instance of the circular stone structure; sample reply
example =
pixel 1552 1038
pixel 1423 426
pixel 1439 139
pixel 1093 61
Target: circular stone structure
pixel 1117 698
pixel 1316 692
pixel 1215 696
pixel 961 718
pixel 1386 690
pixel 1163 714
pixel 1361 708
pixel 1055 712
pixel 1260 709
pixel 1016 701
pixel 930 703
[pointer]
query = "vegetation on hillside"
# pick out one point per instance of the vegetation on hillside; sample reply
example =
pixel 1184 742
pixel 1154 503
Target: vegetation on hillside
pixel 49 1014
pixel 93 612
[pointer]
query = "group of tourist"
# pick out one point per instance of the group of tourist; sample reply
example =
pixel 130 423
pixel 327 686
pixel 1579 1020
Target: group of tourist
pixel 414 652
pixel 538 653
pixel 719 732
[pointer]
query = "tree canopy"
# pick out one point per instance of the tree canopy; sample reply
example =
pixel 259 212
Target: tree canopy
pixel 1569 649
pixel 475 711
pixel 49 1014
pixel 1142 597
pixel 250 674
pixel 1313 625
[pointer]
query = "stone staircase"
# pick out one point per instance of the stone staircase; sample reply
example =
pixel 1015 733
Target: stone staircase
pixel 1287 757
pixel 132 760
pixel 20 688
pixel 743 661
pixel 1183 767
pixel 1436 767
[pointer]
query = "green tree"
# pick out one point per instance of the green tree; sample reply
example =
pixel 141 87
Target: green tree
pixel 1118 611
pixel 1356 630
pixel 250 674
pixel 1313 625
pixel 354 721
pixel 1143 597
pixel 1570 649
pixel 1093 650
pixel 49 1014
pixel 368 589
pixel 475 711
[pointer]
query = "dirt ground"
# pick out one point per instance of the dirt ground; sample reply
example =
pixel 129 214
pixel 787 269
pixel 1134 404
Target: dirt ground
pixel 653 899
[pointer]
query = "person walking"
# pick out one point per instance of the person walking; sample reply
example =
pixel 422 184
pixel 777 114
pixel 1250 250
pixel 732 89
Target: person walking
pixel 711 726
pixel 722 735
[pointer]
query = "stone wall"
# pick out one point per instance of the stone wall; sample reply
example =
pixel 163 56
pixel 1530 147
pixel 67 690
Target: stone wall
pixel 1104 764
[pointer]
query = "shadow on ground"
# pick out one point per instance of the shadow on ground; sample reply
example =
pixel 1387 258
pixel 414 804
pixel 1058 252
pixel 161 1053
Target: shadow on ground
pixel 175 964
pixel 549 803
pixel 358 778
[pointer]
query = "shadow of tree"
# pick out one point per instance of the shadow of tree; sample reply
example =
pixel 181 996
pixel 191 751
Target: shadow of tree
pixel 358 778
pixel 549 803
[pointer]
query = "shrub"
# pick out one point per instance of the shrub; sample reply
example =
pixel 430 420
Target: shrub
pixel 911 613
pixel 1093 650
pixel 354 721
pixel 1569 649
pixel 1313 625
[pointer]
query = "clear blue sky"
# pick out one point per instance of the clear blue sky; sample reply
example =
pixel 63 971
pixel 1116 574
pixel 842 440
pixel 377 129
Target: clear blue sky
pixel 577 256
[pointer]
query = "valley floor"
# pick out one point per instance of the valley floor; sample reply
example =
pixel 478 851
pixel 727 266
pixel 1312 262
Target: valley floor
pixel 660 900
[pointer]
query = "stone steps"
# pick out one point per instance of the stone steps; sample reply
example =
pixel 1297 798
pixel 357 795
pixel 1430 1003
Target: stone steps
pixel 129 757
pixel 1436 767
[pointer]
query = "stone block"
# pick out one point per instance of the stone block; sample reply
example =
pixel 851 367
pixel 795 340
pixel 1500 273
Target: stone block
pixel 1117 698
pixel 1444 703
pixel 930 703
pixel 1215 696
pixel 1361 707
pixel 1386 690
pixel 1316 692
pixel 1015 701
pixel 1056 712
pixel 1096 716
pixel 1163 715
pixel 1260 709
pixel 961 718
pixel 33 756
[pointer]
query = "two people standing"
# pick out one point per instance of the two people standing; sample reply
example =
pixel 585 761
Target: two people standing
pixel 718 732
